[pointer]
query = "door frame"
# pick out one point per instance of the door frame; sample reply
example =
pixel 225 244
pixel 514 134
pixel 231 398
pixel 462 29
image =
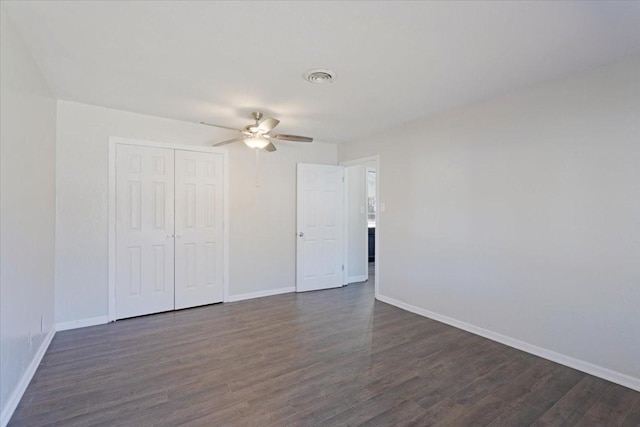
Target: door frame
pixel 362 161
pixel 113 142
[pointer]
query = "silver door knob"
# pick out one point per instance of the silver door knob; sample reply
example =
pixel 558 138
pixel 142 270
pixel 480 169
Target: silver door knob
pixel 301 234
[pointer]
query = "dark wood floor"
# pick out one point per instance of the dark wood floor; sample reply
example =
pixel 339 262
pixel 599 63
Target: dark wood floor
pixel 331 358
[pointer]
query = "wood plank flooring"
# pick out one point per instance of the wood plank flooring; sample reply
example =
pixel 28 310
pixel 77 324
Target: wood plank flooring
pixel 326 358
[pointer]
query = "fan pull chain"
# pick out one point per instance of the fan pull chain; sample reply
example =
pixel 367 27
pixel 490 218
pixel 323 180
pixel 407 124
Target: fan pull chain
pixel 257 166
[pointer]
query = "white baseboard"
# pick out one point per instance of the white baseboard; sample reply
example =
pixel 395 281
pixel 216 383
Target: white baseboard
pixel 581 365
pixel 241 297
pixel 82 323
pixel 22 385
pixel 356 279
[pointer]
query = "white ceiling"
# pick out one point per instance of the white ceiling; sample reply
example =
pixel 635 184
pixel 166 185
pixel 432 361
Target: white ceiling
pixel 396 61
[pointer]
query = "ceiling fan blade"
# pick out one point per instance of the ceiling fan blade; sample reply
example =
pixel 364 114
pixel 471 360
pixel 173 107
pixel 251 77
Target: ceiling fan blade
pixel 229 141
pixel 295 138
pixel 219 126
pixel 268 124
pixel 270 147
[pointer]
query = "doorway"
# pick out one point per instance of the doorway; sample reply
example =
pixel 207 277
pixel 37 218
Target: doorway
pixel 362 222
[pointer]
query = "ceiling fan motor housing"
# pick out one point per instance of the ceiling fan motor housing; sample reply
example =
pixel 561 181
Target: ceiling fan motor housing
pixel 251 130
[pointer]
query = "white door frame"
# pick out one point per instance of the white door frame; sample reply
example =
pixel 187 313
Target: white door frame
pixel 376 160
pixel 113 142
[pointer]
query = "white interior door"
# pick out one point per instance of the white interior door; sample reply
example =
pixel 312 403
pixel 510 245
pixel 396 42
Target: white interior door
pixel 144 229
pixel 199 232
pixel 319 260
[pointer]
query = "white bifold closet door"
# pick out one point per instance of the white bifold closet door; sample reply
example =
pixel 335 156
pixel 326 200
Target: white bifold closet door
pixel 199 232
pixel 144 230
pixel 169 229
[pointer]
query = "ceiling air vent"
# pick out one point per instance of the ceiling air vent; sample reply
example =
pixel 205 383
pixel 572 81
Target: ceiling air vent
pixel 319 76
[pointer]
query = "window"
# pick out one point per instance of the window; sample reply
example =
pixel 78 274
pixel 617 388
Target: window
pixel 371 197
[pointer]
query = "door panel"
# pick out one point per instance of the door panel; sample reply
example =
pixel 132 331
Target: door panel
pixel 199 229
pixel 144 229
pixel 320 229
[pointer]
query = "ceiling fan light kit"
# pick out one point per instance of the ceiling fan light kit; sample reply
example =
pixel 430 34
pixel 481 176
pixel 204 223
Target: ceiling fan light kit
pixel 258 135
pixel 256 142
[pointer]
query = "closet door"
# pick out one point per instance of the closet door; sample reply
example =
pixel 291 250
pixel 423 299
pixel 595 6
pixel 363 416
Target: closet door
pixel 144 230
pixel 199 230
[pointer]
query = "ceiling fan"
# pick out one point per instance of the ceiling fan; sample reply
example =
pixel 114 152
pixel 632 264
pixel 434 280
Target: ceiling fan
pixel 259 135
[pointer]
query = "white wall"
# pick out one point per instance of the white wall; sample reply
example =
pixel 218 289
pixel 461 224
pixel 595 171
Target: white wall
pixel 521 216
pixel 27 216
pixel 356 192
pixel 262 220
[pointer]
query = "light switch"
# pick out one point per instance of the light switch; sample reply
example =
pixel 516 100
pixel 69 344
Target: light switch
pixel 383 207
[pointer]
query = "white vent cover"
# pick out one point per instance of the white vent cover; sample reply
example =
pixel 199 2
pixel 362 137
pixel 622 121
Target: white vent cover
pixel 319 75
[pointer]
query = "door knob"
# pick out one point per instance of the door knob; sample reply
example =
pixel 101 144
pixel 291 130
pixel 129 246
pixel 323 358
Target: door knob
pixel 301 234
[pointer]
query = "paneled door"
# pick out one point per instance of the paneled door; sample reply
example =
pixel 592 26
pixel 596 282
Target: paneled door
pixel 144 230
pixel 199 229
pixel 319 259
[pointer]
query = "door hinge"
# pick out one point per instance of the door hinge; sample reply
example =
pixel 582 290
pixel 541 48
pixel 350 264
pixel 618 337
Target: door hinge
pixel 342 267
pixel 343 179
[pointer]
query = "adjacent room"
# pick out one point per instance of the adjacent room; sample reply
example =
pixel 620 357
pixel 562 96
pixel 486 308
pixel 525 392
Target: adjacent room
pixel 385 213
